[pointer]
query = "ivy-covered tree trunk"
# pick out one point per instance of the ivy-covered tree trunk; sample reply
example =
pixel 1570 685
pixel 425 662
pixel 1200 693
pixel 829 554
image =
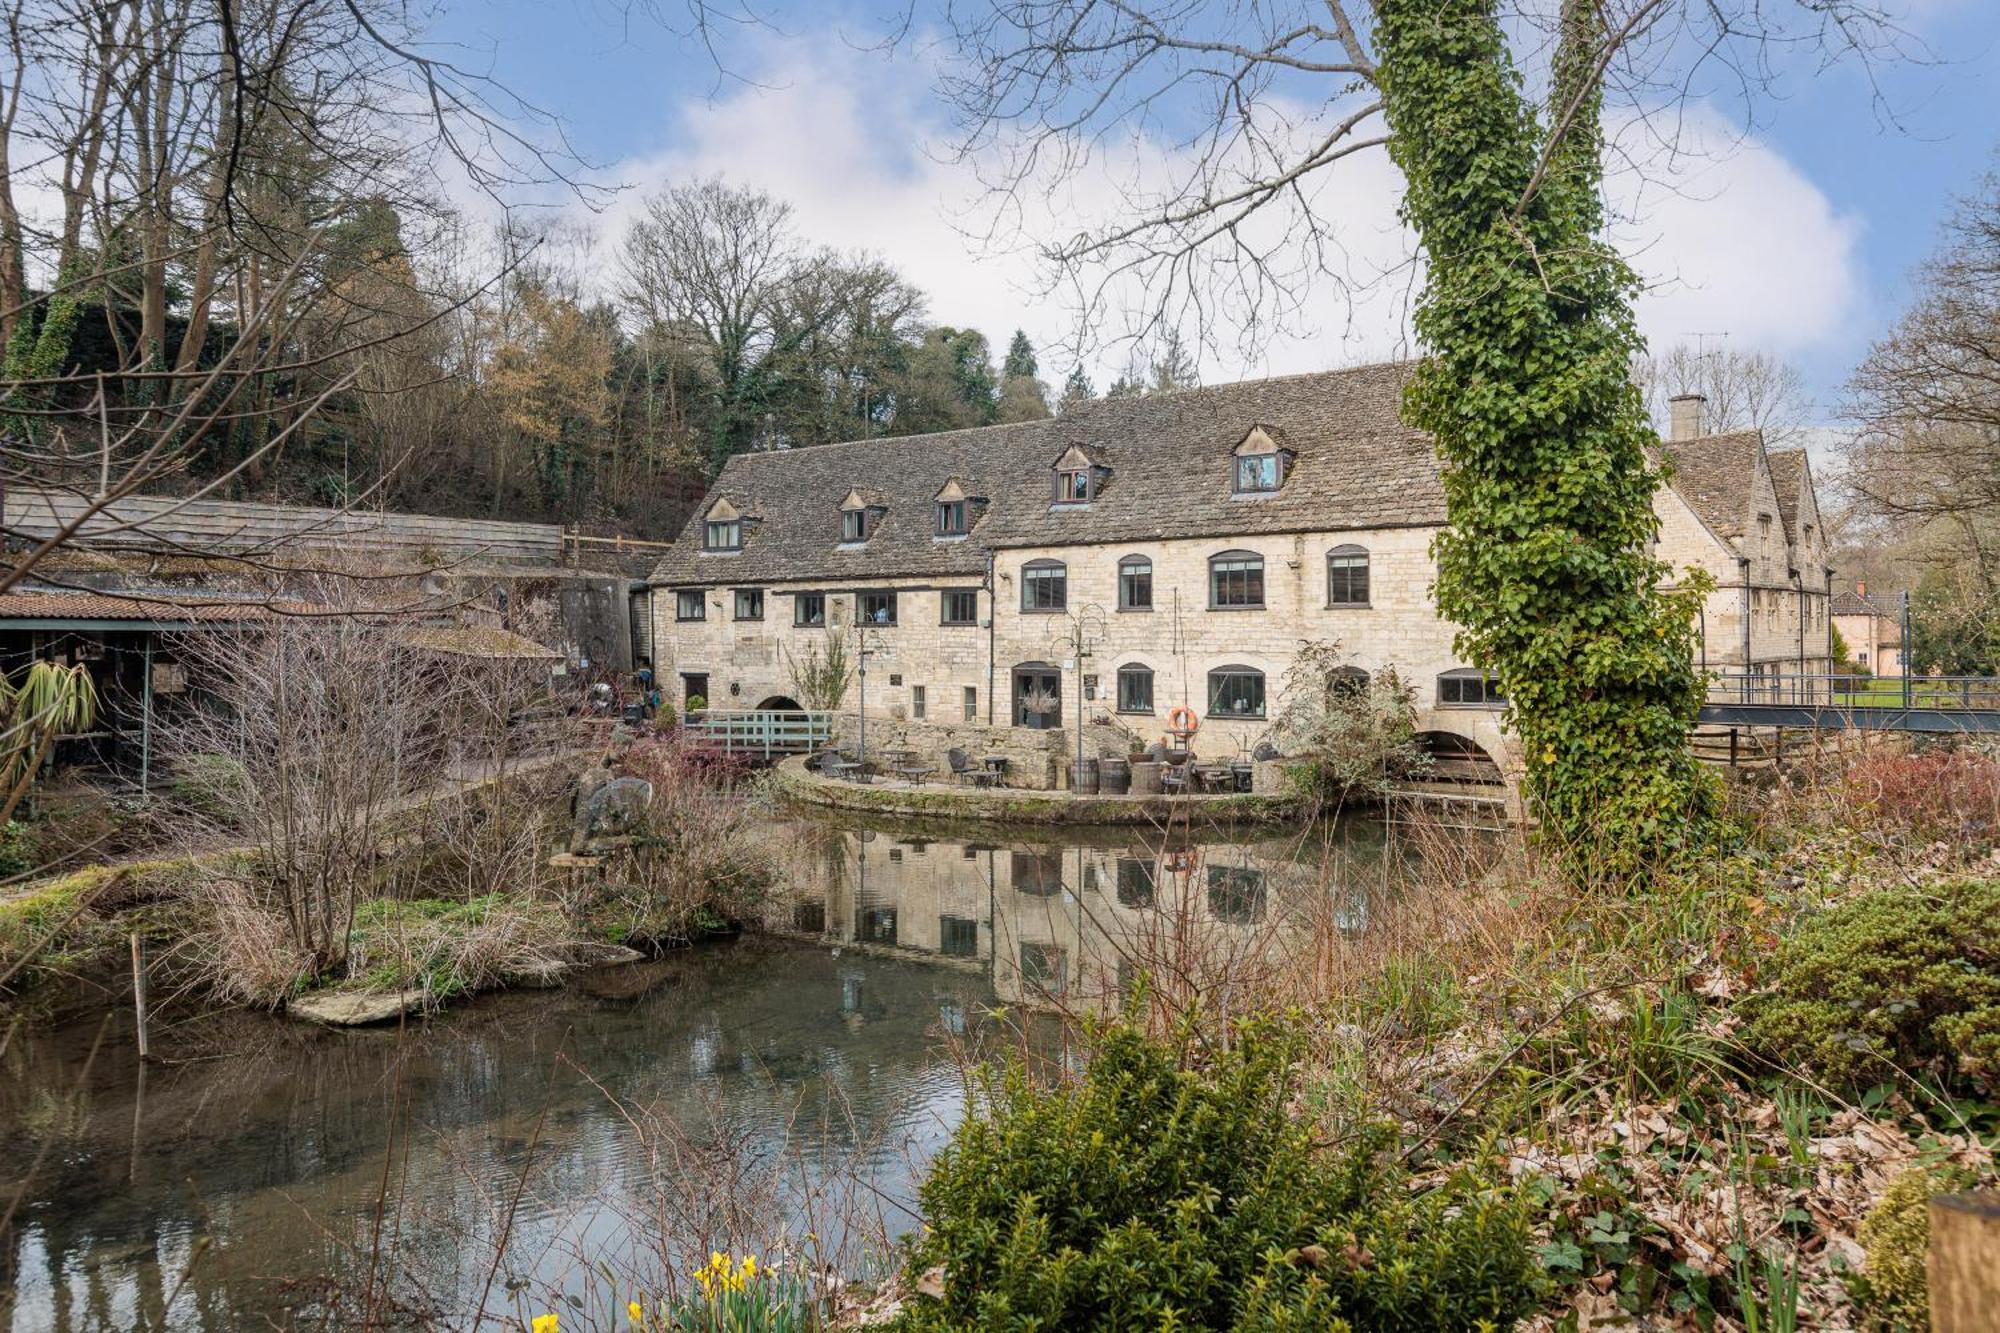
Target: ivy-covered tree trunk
pixel 1528 334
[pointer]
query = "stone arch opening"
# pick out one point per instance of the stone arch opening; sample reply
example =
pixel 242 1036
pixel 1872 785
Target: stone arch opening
pixel 1456 758
pixel 780 703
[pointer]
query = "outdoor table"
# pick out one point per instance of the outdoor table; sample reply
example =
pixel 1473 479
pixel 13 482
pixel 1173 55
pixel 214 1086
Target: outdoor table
pixel 996 764
pixel 841 768
pixel 1215 777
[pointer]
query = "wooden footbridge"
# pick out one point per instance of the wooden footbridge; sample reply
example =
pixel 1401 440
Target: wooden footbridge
pixel 1942 704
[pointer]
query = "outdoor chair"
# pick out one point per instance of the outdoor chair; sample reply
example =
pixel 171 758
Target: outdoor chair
pixel 1174 779
pixel 964 770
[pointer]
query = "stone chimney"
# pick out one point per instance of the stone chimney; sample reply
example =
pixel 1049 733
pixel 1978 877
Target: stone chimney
pixel 1688 410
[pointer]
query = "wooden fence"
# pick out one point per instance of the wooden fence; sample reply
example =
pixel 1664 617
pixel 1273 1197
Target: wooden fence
pixel 161 523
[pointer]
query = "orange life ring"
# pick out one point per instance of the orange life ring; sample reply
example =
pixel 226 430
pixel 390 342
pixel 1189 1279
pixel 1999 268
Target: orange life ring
pixel 1181 720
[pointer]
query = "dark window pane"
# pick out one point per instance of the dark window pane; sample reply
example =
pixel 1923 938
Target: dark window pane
pixel 1072 487
pixel 1044 588
pixel 1236 894
pixel 958 937
pixel 809 608
pixel 1347 578
pixel 1135 690
pixel 749 603
pixel 724 535
pixel 1236 580
pixel 878 608
pixel 690 605
pixel 951 518
pixel 960 606
pixel 1135 882
pixel 853 525
pixel 1135 585
pixel 1236 693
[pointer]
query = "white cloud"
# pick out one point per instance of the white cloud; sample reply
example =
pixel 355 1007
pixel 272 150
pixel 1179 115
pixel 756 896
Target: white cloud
pixel 1730 238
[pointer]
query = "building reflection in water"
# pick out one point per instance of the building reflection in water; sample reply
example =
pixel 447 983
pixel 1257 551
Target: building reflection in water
pixel 1073 917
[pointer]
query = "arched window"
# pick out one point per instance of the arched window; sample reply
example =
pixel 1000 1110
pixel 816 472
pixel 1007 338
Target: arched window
pixel 1469 687
pixel 1135 583
pixel 1235 580
pixel 1235 691
pixel 1135 688
pixel 1348 682
pixel 1044 586
pixel 1347 576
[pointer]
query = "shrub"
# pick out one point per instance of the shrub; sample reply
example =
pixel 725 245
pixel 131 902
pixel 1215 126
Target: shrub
pixel 18 852
pixel 1950 793
pixel 211 785
pixel 1171 1188
pixel 1892 1290
pixel 1904 977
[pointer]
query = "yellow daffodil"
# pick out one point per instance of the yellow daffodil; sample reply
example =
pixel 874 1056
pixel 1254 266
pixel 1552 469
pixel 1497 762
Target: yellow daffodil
pixel 546 1323
pixel 750 1265
pixel 637 1312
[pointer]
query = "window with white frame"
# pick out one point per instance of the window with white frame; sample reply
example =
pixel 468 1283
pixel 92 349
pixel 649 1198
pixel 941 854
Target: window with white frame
pixel 1347 576
pixel 1044 586
pixel 1235 580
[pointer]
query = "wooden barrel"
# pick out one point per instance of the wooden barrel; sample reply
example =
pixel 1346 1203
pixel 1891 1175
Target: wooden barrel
pixel 1114 776
pixel 1083 777
pixel 1146 778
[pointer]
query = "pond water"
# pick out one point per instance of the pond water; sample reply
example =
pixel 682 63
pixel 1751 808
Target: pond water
pixel 806 1075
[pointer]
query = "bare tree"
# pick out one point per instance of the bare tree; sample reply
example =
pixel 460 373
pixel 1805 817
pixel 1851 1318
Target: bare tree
pixel 1233 117
pixel 236 190
pixel 1745 390
pixel 1927 397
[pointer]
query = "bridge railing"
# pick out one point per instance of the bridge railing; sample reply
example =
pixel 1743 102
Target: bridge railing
pixel 1943 693
pixel 763 731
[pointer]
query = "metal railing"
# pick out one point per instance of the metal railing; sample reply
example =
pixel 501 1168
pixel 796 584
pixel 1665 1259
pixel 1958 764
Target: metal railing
pixel 1941 693
pixel 762 731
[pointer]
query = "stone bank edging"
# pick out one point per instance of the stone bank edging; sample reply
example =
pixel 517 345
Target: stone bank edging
pixel 790 780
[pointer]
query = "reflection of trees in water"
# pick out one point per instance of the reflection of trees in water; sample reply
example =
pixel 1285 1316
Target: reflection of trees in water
pixel 284 1140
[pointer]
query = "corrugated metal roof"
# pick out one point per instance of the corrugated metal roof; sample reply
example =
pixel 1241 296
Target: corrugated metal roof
pixel 67 604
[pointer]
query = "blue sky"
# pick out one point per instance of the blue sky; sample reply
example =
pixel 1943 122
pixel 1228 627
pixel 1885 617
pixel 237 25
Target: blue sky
pixel 1798 241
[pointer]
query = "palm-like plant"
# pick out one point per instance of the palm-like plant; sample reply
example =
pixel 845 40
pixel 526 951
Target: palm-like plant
pixel 44 702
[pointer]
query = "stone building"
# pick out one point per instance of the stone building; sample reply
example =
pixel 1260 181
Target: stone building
pixel 1749 516
pixel 1872 627
pixel 1191 541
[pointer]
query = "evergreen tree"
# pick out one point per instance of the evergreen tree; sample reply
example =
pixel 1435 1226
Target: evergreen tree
pixel 1020 362
pixel 1076 390
pixel 1023 397
pixel 1174 367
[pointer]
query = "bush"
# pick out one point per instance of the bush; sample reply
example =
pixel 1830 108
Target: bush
pixel 1159 1191
pixel 1950 793
pixel 1905 977
pixel 1892 1290
pixel 211 785
pixel 18 852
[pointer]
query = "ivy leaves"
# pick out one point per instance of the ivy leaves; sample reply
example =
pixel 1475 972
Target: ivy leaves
pixel 1527 323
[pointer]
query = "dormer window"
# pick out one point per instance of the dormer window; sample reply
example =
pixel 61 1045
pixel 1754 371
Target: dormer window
pixel 1260 463
pixel 954 518
pixel 723 529
pixel 1076 477
pixel 855 522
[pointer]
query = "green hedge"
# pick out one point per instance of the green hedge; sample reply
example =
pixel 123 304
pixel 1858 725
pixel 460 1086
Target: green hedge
pixel 1168 1188
pixel 1898 979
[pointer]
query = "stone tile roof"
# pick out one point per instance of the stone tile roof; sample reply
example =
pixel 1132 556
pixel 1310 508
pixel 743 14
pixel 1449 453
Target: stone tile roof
pixel 1788 475
pixel 790 502
pixel 1716 475
pixel 66 604
pixel 1167 465
pixel 1855 604
pixel 1351 463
